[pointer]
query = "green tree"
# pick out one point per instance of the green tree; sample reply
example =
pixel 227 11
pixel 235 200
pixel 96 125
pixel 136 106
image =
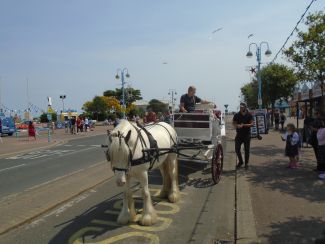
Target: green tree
pixel 43 117
pixel 249 92
pixel 278 82
pixel 97 108
pixel 307 54
pixel 131 95
pixel 157 106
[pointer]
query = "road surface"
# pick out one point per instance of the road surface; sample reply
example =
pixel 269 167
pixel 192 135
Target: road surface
pixel 27 170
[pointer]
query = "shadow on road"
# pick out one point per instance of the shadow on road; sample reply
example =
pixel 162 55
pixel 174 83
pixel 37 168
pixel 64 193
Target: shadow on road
pixel 100 220
pixel 296 230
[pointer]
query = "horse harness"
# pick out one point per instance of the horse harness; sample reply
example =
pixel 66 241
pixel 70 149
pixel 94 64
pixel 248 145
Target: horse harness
pixel 152 155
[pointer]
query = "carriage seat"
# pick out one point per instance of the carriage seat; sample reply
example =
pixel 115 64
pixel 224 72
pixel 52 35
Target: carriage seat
pixel 204 107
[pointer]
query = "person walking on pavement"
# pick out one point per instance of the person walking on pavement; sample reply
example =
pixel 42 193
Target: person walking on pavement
pixel 66 126
pixel 315 126
pixel 276 119
pixel 82 124
pixel 243 121
pixel 78 125
pixel 31 130
pixel 73 125
pixel 321 142
pixel 282 120
pixel 86 124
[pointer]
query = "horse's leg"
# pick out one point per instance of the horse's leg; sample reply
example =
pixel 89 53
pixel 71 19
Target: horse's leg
pixel 125 215
pixel 149 216
pixel 166 180
pixel 133 213
pixel 172 166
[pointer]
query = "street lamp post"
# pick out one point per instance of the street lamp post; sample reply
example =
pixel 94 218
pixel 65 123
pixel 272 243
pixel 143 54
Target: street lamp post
pixel 62 97
pixel 172 93
pixel 259 60
pixel 122 72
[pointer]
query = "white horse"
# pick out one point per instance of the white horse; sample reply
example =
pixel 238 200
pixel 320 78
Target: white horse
pixel 128 160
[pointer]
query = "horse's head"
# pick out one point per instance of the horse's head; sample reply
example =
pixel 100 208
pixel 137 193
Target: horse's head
pixel 119 151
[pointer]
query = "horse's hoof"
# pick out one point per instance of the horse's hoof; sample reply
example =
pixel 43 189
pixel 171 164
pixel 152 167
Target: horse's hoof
pixel 148 219
pixel 173 197
pixel 123 219
pixel 133 217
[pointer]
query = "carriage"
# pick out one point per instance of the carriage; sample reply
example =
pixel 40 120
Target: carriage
pixel 135 149
pixel 200 137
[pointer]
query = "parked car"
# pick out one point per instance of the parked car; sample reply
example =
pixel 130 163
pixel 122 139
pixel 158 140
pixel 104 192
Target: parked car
pixel 7 125
pixel 23 125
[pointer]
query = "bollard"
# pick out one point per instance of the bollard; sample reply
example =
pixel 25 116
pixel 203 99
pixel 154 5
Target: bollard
pixel 49 135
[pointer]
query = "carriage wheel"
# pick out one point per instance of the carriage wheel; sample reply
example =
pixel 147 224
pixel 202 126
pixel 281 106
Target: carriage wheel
pixel 217 164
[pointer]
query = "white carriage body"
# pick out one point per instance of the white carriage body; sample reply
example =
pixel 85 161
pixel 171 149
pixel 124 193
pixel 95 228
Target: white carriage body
pixel 200 126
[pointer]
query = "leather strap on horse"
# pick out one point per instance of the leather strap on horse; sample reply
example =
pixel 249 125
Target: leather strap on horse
pixel 148 156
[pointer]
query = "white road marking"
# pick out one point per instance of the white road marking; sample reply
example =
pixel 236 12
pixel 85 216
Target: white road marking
pixel 41 154
pixel 13 167
pixel 96 145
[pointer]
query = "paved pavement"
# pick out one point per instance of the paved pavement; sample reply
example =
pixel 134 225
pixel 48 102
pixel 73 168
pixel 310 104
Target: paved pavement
pixel 289 205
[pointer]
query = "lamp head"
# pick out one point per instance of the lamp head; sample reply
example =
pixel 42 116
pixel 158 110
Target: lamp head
pixel 268 53
pixel 249 54
pixel 127 75
pixel 117 76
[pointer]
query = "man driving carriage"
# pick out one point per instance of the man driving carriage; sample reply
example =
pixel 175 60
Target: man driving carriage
pixel 188 101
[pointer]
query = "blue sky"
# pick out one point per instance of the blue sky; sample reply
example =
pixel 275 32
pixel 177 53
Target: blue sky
pixel 74 47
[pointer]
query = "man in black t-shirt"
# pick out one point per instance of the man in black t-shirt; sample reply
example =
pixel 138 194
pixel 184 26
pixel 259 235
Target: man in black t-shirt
pixel 189 100
pixel 243 121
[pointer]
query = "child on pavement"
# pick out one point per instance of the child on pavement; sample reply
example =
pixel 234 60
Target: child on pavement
pixel 292 146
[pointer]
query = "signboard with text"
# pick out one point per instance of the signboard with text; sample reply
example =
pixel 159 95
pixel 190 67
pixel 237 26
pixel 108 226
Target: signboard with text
pixel 260 119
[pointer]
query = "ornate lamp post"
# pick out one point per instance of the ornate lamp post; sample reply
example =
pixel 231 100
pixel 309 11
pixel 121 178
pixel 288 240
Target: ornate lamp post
pixel 120 73
pixel 259 60
pixel 62 97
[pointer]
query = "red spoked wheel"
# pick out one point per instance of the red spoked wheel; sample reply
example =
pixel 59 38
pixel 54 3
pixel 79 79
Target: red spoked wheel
pixel 217 164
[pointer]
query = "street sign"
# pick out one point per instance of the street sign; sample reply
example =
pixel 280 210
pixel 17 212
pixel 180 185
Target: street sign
pixel 49 117
pixel 50 110
pixel 59 125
